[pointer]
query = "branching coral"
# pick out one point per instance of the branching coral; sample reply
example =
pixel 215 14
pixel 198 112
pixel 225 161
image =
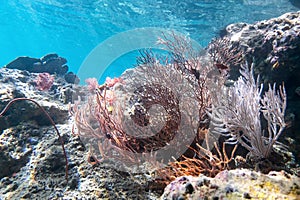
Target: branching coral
pixel 224 54
pixel 237 112
pixel 204 162
pixel 190 88
pixel 148 114
pixel 191 62
pixel 149 110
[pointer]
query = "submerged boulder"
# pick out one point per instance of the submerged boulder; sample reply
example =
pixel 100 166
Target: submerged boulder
pixel 235 184
pixel 273 45
pixel 50 63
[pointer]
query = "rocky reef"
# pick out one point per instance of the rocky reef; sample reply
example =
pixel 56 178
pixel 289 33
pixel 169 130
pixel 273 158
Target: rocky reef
pixel 235 184
pixel 50 63
pixel 273 45
pixel 32 160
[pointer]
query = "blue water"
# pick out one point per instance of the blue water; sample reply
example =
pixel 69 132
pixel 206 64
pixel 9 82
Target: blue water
pixel 72 28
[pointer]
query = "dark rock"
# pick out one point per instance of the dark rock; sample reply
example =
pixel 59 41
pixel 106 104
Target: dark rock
pixel 246 195
pixel 189 188
pixel 70 77
pixel 48 57
pixel 23 63
pixel 295 3
pixel 51 63
pixel 273 44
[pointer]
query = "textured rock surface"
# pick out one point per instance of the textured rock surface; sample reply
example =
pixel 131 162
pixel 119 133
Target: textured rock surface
pixel 31 158
pixel 42 173
pixel 19 84
pixel 235 184
pixel 273 44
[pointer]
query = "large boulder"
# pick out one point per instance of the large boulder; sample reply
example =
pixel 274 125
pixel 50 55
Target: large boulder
pixel 235 184
pixel 274 46
pixel 50 63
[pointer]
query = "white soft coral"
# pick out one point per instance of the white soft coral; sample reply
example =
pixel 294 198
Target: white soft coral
pixel 237 110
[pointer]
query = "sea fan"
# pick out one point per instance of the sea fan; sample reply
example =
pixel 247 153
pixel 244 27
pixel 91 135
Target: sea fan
pixel 237 114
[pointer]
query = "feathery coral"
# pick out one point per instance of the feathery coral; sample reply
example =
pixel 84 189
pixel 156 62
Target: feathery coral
pixel 237 111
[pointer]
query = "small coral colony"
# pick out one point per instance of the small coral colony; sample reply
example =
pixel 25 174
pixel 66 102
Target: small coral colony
pixel 239 120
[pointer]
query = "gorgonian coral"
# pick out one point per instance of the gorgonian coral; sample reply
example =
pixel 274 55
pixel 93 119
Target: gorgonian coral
pixel 157 115
pixel 148 114
pixel 158 111
pixel 237 111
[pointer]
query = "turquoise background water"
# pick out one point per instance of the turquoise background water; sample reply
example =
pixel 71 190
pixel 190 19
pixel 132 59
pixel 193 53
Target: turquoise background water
pixel 72 28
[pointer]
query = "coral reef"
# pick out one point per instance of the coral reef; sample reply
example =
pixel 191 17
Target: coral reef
pixel 184 89
pixel 32 160
pixel 273 46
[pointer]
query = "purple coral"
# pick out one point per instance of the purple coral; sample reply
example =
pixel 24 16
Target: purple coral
pixel 44 81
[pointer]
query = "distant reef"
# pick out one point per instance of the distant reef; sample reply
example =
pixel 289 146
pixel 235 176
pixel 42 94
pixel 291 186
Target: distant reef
pixel 50 63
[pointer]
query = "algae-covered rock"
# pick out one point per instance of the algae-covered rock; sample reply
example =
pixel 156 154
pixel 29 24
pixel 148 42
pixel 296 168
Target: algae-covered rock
pixel 235 184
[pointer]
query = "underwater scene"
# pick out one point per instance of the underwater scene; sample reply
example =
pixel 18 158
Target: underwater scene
pixel 155 99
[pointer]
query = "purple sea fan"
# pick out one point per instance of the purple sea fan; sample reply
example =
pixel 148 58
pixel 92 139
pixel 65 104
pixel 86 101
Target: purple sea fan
pixel 237 110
